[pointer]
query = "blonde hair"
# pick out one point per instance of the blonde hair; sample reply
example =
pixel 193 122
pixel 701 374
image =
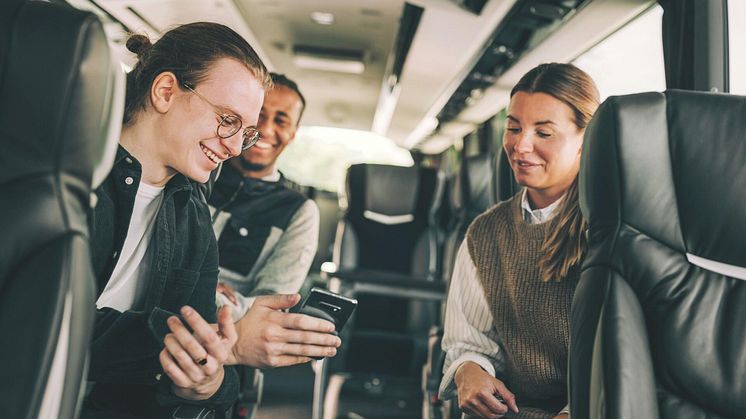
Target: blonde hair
pixel 565 244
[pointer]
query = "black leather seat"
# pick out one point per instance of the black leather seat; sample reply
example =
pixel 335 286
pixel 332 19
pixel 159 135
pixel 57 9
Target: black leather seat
pixel 61 101
pixel 658 324
pixel 482 182
pixel 387 257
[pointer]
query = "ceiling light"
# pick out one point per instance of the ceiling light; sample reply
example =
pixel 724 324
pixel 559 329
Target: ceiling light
pixel 323 58
pixel 310 62
pixel 322 18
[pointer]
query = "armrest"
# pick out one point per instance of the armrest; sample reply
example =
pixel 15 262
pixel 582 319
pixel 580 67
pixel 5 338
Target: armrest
pixel 392 284
pixel 433 370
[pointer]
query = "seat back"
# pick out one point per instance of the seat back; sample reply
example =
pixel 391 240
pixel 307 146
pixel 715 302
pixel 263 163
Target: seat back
pixel 506 184
pixel 389 226
pixel 472 192
pixel 386 225
pixel 483 181
pixel 329 214
pixel 658 322
pixel 61 99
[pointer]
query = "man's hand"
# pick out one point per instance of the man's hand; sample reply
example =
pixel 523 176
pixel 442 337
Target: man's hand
pixel 269 337
pixel 226 290
pixel 477 390
pixel 194 362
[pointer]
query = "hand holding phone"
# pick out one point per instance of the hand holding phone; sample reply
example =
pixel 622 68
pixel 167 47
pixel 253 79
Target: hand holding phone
pixel 329 306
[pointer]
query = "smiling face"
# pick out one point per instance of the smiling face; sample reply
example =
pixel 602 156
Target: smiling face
pixel 189 143
pixel 278 123
pixel 543 145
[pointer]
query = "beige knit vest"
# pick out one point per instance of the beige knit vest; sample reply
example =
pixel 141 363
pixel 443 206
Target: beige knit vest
pixel 530 316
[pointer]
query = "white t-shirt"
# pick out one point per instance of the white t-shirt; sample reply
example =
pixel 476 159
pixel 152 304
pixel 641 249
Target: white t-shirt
pixel 128 278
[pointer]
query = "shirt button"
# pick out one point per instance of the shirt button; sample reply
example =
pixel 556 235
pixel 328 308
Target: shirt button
pixel 243 231
pixel 128 160
pixel 128 180
pixel 114 256
pixel 158 377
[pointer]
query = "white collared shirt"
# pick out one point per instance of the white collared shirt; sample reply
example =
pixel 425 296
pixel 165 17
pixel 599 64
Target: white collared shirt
pixel 540 215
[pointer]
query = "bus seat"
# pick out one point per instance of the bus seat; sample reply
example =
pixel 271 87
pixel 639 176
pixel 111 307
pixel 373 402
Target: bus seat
pixel 472 192
pixel 658 321
pixel 61 106
pixel 387 257
pixel 507 186
pixel 329 214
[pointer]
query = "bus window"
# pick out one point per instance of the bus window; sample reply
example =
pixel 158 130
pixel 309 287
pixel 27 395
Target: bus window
pixel 319 156
pixel 631 59
pixel 737 39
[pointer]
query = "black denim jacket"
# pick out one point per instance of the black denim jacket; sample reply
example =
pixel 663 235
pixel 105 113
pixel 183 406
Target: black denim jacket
pixel 124 352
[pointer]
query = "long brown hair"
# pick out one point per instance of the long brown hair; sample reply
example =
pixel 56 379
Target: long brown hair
pixel 565 245
pixel 188 51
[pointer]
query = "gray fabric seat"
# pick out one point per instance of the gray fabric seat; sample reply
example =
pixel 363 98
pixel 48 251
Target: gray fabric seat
pixel 658 323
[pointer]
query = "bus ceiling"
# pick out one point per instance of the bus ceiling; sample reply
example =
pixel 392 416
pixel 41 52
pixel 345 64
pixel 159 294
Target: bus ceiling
pixel 430 71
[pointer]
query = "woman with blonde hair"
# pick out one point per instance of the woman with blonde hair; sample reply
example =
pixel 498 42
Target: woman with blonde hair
pixel 506 328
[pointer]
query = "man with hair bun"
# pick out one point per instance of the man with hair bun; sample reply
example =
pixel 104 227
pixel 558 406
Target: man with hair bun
pixel 192 102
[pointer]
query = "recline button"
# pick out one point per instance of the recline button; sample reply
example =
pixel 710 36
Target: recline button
pixel 128 180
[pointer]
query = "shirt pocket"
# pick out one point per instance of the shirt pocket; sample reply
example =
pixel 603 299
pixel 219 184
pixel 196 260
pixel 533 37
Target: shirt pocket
pixel 180 285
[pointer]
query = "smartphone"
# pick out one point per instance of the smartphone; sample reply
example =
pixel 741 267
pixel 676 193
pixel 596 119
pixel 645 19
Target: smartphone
pixel 324 304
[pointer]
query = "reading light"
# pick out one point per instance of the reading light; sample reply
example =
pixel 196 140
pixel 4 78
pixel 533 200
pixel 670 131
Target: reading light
pixel 322 18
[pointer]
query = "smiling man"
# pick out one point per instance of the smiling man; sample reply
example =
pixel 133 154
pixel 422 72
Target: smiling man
pixel 267 233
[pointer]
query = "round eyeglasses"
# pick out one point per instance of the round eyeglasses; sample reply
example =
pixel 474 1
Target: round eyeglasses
pixel 229 124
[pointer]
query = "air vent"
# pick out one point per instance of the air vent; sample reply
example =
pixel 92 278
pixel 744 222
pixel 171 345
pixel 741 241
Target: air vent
pixel 527 24
pixel 329 59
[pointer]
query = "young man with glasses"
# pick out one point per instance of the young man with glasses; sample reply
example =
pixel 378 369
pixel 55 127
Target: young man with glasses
pixel 153 250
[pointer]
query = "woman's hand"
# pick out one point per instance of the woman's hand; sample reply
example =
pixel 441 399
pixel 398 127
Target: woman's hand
pixel 477 391
pixel 194 362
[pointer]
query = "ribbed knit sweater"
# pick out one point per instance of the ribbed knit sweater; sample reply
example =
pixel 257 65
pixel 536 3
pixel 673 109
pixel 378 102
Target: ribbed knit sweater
pixel 531 316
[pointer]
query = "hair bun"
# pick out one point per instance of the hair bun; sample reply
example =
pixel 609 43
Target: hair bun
pixel 139 44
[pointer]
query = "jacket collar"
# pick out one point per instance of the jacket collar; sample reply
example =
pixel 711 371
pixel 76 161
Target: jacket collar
pixel 177 184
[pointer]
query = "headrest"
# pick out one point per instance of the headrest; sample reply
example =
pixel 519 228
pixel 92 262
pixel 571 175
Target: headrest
pixel 57 96
pixel 507 186
pixel 673 166
pixel 389 194
pixel 474 188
